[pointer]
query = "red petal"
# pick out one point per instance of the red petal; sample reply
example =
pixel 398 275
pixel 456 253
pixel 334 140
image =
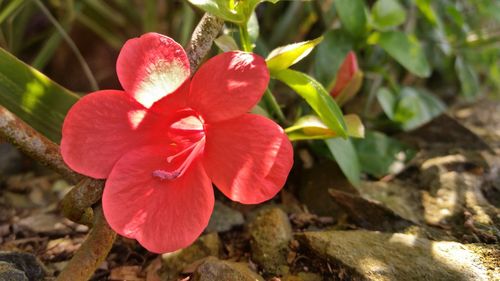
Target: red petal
pixel 151 67
pixel 345 73
pixel 228 85
pixel 248 158
pixel 163 215
pixel 103 126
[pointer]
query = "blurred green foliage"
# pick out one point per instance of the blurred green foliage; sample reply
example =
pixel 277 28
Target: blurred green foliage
pixel 417 56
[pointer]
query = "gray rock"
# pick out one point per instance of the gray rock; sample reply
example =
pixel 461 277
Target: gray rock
pixel 175 262
pixel 26 263
pixel 303 276
pixel 51 224
pixel 270 233
pixel 314 186
pixel 213 269
pixel 387 256
pixel 11 161
pixel 224 218
pixel 369 214
pixel 8 272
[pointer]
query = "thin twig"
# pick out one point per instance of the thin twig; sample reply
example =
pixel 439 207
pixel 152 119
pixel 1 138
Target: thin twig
pixel 201 41
pixel 71 44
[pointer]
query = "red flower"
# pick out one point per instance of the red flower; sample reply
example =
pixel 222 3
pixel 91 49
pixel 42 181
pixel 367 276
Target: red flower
pixel 163 140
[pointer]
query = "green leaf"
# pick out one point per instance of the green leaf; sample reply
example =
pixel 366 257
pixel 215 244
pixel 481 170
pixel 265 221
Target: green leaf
pixel 223 9
pixel 238 12
pixel 352 15
pixel 388 101
pixel 317 97
pixel 426 9
pixel 411 107
pixel 416 107
pixel 286 56
pixel 380 155
pixel 330 55
pixel 310 127
pixel 387 14
pixel 469 81
pixel 406 50
pixel 226 43
pixel 33 97
pixel 345 154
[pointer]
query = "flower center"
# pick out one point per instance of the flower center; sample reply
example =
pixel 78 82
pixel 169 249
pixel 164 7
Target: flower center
pixel 187 141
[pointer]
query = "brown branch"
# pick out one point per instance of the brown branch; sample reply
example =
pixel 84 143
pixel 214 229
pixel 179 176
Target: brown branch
pixel 91 253
pixel 34 144
pixel 76 204
pixel 201 41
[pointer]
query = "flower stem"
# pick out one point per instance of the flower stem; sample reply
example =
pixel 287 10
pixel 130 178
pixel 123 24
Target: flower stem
pixel 273 104
pixel 245 38
pixel 269 99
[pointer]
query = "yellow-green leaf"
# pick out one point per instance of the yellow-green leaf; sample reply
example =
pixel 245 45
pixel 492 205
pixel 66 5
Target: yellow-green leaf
pixel 311 127
pixel 286 56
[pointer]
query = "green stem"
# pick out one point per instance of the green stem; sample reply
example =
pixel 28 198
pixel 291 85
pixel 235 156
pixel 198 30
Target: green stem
pixel 274 106
pixel 245 38
pixel 269 99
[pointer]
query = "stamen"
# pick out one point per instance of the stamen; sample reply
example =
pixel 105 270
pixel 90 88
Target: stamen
pixel 164 175
pixel 196 149
pixel 171 158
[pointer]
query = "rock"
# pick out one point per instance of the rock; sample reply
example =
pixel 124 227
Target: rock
pixel 387 256
pixel 402 198
pixel 303 276
pixel 369 214
pixel 8 272
pixel 46 224
pixel 12 161
pixel 174 263
pixel 213 269
pixel 26 263
pixel 453 197
pixel 490 257
pixel 314 186
pixel 224 218
pixel 270 233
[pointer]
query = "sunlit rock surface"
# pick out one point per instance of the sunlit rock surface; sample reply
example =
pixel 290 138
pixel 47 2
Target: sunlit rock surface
pixel 388 256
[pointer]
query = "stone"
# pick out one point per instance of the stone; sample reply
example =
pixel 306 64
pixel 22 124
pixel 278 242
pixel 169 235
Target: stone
pixel 213 269
pixel 174 263
pixel 224 218
pixel 395 256
pixel 26 263
pixel 46 224
pixel 303 276
pixel 402 198
pixel 270 233
pixel 369 214
pixel 314 186
pixel 8 272
pixel 12 161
